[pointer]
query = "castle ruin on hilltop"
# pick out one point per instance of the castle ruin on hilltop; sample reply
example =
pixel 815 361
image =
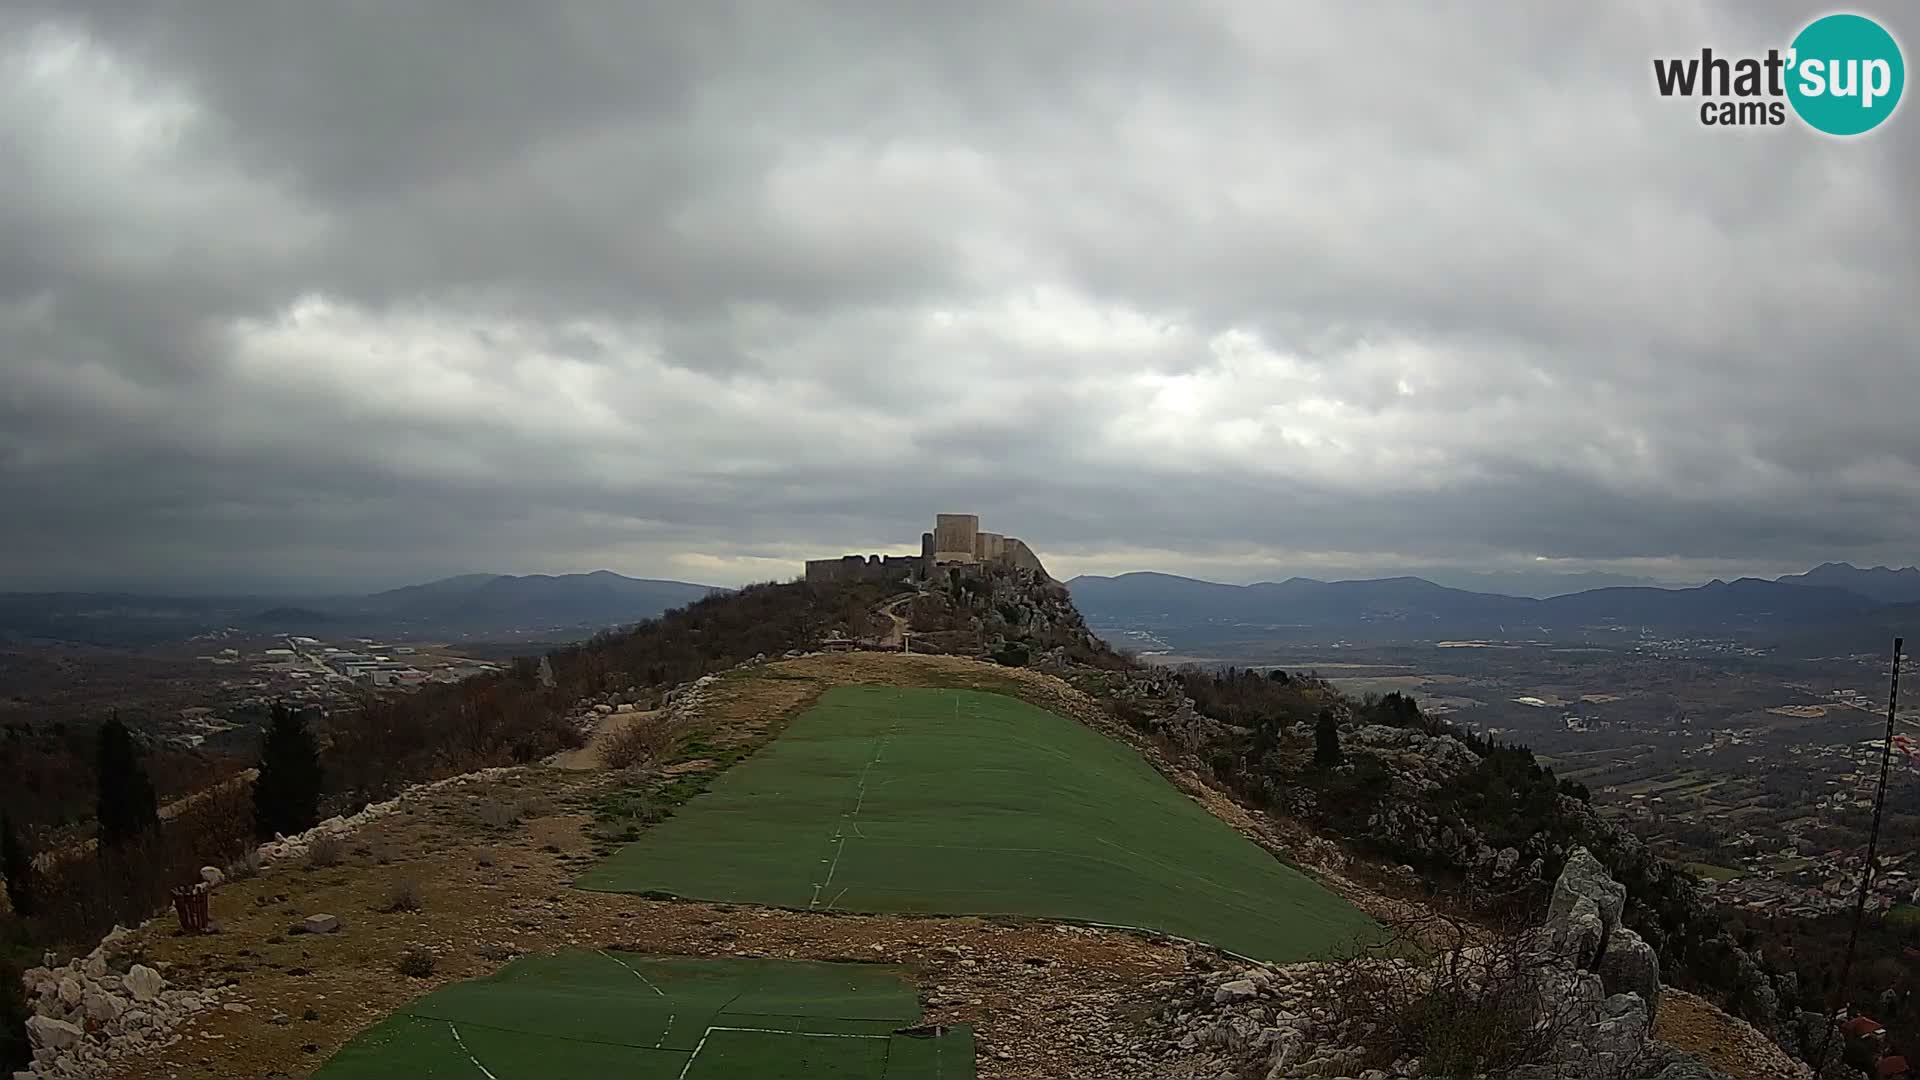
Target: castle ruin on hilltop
pixel 956 541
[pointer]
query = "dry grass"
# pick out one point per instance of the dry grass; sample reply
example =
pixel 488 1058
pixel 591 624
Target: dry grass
pixel 641 741
pixel 407 895
pixel 495 814
pixel 325 850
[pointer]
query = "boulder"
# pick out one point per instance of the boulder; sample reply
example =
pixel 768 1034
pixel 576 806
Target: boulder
pixel 1578 935
pixel 102 1007
pixel 1235 990
pixel 1585 877
pixel 143 982
pixel 212 876
pixel 1630 966
pixel 321 924
pixel 1505 861
pixel 52 1034
pixel 70 991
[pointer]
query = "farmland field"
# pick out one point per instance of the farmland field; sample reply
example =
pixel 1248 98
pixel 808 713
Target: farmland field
pixel 884 799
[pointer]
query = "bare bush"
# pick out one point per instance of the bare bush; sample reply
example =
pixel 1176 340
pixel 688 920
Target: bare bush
pixel 406 895
pixel 244 867
pixel 640 742
pixel 495 814
pixel 1466 1000
pixel 325 850
pixel 414 962
pixel 82 894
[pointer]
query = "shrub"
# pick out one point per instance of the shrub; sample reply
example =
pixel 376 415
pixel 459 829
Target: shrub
pixel 639 742
pixel 244 867
pixel 406 895
pixel 325 850
pixel 414 962
pixel 80 896
pixel 127 804
pixel 495 814
pixel 286 797
pixel 1471 1004
pixel 16 864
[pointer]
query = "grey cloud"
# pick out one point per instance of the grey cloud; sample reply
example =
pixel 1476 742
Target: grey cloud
pixel 306 294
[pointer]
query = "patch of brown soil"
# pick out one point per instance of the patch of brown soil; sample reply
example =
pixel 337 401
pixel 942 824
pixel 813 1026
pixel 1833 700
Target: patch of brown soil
pixel 1727 1043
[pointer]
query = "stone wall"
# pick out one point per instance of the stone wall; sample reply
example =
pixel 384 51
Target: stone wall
pixel 863 568
pixel 955 537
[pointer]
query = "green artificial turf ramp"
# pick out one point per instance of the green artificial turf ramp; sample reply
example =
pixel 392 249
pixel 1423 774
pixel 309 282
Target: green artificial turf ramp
pixel 589 1015
pixel 884 799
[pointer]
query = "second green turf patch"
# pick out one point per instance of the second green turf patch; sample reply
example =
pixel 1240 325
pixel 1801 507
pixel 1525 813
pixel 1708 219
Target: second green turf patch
pixel 885 799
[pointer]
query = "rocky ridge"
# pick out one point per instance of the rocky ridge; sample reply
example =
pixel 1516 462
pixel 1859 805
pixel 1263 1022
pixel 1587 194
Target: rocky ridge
pixel 1583 979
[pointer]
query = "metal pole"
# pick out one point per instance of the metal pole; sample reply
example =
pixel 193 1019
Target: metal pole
pixel 1873 844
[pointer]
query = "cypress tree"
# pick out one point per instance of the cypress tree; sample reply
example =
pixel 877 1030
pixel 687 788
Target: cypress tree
pixel 16 862
pixel 286 797
pixel 1326 740
pixel 127 805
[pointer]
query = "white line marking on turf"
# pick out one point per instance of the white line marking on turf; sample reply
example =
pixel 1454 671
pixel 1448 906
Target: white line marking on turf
pixel 469 1053
pixel 664 1032
pixel 635 973
pixel 697 1047
pixel 840 831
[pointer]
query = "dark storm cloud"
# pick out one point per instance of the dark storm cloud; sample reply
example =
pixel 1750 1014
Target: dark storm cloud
pixel 292 294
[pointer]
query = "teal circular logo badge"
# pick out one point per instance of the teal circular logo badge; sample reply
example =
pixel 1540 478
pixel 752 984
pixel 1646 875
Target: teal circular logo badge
pixel 1846 74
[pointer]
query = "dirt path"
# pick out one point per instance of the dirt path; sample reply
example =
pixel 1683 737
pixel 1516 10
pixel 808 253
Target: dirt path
pixel 891 609
pixel 588 756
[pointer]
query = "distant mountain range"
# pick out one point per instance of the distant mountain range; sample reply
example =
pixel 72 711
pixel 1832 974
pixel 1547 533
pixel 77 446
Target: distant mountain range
pixel 1833 597
pixel 469 606
pixel 1876 583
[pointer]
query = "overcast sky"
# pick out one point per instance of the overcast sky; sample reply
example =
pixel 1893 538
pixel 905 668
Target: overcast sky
pixel 337 296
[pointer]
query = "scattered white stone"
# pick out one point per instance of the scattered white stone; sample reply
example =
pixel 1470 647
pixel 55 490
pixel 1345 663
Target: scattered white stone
pixel 321 924
pixel 212 876
pixel 70 991
pixel 143 982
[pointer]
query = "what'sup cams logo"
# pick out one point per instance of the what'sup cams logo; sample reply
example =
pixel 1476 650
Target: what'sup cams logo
pixel 1842 75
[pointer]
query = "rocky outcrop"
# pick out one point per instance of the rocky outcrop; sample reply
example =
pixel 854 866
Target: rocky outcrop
pixel 1583 982
pixel 99 1007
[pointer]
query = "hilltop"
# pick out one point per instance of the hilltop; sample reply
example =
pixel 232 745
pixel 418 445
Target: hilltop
pixel 1407 820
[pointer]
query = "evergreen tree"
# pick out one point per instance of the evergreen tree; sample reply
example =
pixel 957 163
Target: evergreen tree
pixel 1326 740
pixel 286 797
pixel 127 805
pixel 16 862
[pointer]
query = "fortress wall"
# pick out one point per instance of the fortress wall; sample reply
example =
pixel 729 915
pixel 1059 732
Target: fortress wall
pixel 954 537
pixel 988 546
pixel 1018 554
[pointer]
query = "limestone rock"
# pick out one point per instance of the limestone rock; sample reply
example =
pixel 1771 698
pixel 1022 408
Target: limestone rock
pixel 102 1007
pixel 1505 861
pixel 212 876
pixel 1235 990
pixel 321 924
pixel 70 991
pixel 143 982
pixel 52 1034
pixel 1585 877
pixel 1630 966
